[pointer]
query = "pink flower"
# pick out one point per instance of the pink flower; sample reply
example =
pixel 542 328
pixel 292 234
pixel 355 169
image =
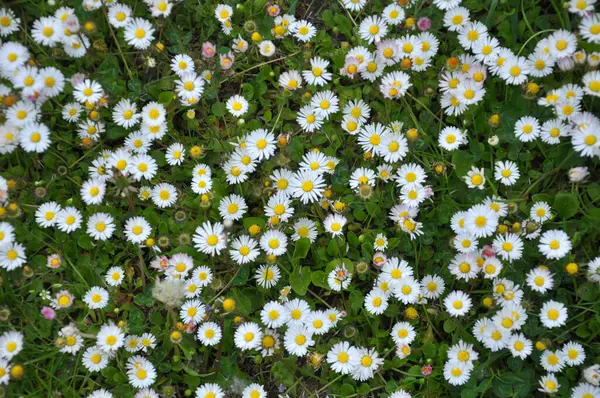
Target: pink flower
pixel 77 78
pixel 208 49
pixel 428 192
pixel 426 370
pixel 488 251
pixel 226 60
pixel 424 24
pixel 273 10
pixel 379 259
pixel 48 313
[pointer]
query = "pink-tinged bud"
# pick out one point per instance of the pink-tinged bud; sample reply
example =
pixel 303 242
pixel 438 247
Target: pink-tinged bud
pixel 48 313
pixel 426 370
pixel 273 10
pixel 379 259
pixel 208 49
pixel 488 251
pixel 424 24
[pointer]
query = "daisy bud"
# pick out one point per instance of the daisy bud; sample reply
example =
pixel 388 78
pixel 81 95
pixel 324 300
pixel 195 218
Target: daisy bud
pixel 89 26
pixel 256 37
pixel 4 314
pixel 516 227
pixel 362 267
pixel 411 313
pixel 27 271
pixel 540 346
pixel 17 371
pixel 412 135
pixel 452 63
pixel 349 332
pixel 488 302
pixel 176 337
pixel 572 268
pixel 228 305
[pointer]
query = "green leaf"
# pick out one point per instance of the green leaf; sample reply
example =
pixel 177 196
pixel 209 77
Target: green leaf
pixel 218 109
pixel 145 298
pixel 566 204
pixel 300 279
pixel 319 278
pixel 449 326
pixel 165 97
pixel 344 24
pixel 301 248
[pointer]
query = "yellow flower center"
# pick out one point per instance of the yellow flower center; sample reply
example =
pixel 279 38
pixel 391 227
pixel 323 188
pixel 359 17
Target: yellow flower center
pixel 212 240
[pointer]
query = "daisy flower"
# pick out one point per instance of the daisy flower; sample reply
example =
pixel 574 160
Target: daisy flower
pixel 432 286
pixel 325 103
pixel 192 311
pixel 554 244
pixel 95 359
pixel 96 298
pixel 451 138
pixel 237 105
pixel 114 276
pixel 297 340
pixel 519 345
pixel 139 33
pixel 11 343
pixel 248 336
pixel 553 314
pixel 365 362
pixel 475 178
pixel 274 242
pixel 334 224
pixel 540 280
pixel 267 276
pixel 137 229
pixel 209 390
pixel 12 256
pixel 373 28
pixel 305 228
pixel 279 205
pixel 119 15
pixel 210 239
pixel 68 219
pixel 110 338
pixel 232 207
pixel 457 373
pixel 303 30
pixel 338 357
pixel 88 91
pixel 457 303
pixel 403 333
pixel 254 391
pixel 573 354
pixel 175 154
pixel 318 74
pixel 274 315
pixel 507 172
pixel 308 186
pixel 8 24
